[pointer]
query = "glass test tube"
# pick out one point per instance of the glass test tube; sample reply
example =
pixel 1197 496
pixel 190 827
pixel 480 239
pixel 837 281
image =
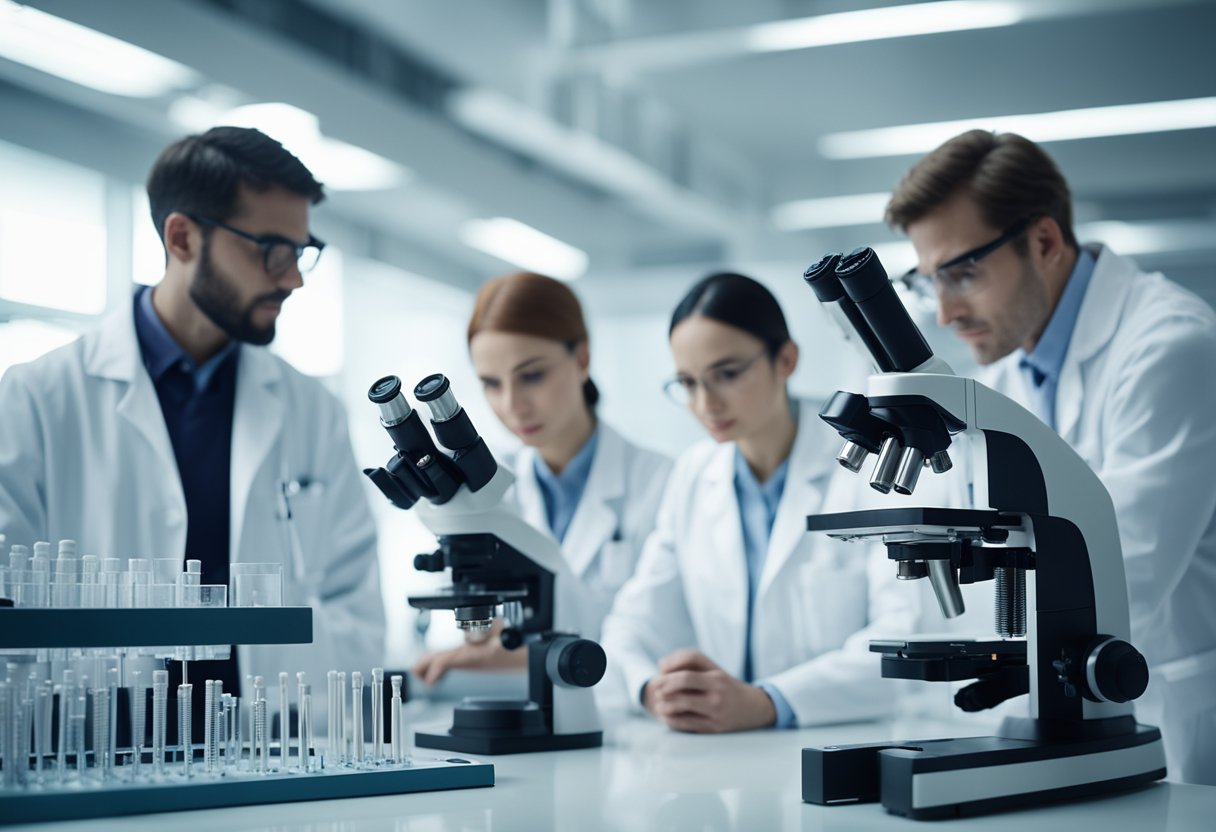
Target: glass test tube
pixel 160 702
pixel 300 746
pixel 356 717
pixel 306 726
pixel 101 731
pixel 208 725
pixel 377 715
pixel 185 726
pixel 397 727
pixel 331 700
pixel 343 754
pixel 259 733
pixel 284 725
pixel 112 689
pixel 139 713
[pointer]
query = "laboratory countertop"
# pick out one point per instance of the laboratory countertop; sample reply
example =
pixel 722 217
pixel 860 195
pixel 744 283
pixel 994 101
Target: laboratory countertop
pixel 647 777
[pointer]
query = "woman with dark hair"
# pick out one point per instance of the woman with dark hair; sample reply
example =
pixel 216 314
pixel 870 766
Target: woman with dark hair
pixel 576 477
pixel 736 618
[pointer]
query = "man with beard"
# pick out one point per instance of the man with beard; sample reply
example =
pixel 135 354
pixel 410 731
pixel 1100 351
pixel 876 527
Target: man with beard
pixel 170 432
pixel 1119 362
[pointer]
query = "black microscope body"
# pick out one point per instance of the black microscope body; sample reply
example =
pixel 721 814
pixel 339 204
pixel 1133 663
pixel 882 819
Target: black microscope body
pixel 497 562
pixel 1047 526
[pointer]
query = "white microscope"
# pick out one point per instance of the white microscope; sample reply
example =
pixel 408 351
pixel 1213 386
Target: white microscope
pixel 1043 528
pixel 498 562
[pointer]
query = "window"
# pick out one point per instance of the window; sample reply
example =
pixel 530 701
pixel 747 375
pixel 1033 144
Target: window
pixel 52 233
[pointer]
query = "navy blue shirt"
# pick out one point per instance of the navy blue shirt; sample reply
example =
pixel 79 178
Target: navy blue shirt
pixel 197 403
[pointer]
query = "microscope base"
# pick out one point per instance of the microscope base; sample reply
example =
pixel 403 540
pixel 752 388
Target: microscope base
pixel 482 725
pixel 934 779
pixel 487 746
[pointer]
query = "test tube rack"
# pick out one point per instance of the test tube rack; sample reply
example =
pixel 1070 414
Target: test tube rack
pixel 50 797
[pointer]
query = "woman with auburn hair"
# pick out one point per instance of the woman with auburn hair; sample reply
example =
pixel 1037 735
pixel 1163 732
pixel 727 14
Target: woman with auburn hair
pixel 576 477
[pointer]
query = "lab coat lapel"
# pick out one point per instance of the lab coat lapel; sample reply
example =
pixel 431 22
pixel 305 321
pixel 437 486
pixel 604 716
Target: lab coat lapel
pixel 811 460
pixel 594 520
pixel 1101 310
pixel 257 421
pixel 720 561
pixel 114 354
pixel 527 490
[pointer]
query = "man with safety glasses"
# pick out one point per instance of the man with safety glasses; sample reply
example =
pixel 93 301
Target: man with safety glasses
pixel 1121 363
pixel 170 432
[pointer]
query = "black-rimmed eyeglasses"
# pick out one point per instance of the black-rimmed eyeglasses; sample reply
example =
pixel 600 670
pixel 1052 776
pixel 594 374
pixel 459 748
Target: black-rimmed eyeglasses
pixel 278 252
pixel 959 276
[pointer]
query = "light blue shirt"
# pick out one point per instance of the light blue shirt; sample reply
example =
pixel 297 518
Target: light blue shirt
pixel 758 505
pixel 161 351
pixel 1042 366
pixel 563 491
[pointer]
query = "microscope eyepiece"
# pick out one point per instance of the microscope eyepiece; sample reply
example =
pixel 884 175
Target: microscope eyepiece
pixel 387 396
pixel 432 387
pixel 821 277
pixel 436 391
pixel 384 390
pixel 455 431
pixel 866 283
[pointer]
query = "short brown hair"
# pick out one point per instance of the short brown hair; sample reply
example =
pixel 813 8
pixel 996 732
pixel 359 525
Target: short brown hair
pixel 526 303
pixel 1010 178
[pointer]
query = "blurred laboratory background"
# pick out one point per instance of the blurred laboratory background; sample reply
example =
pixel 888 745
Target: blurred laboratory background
pixel 627 146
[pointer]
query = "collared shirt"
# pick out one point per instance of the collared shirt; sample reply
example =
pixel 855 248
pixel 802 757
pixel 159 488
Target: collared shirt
pixel 563 491
pixel 1042 366
pixel 197 404
pixel 758 504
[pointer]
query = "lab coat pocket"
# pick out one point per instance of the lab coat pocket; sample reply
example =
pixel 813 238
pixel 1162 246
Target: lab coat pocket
pixel 614 565
pixel 303 521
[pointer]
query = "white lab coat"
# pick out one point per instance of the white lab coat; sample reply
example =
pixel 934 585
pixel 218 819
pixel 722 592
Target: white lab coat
pixel 85 454
pixel 818 604
pixel 614 516
pixel 1137 400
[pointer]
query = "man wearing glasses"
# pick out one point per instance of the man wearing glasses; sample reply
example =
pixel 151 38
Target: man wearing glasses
pixel 171 433
pixel 1121 363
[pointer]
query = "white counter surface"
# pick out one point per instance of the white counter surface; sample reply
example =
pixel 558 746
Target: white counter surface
pixel 646 777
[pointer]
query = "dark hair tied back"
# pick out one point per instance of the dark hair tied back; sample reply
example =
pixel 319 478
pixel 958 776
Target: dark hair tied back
pixel 740 302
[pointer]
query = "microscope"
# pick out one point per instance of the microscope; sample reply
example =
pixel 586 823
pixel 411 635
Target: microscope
pixel 500 566
pixel 1042 529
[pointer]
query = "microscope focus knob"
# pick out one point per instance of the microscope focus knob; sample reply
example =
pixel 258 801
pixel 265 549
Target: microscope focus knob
pixel 576 662
pixel 1115 671
pixel 511 638
pixel 429 561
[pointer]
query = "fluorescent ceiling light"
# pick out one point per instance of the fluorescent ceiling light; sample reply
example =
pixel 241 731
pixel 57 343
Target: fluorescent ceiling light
pixel 1059 126
pixel 830 212
pixel 880 24
pixel 85 56
pixel 339 165
pixel 524 246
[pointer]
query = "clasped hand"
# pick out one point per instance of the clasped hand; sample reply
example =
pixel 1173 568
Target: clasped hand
pixel 691 693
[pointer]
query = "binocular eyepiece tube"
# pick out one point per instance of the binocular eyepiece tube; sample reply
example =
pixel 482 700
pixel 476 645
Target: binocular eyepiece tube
pixel 455 431
pixel 386 394
pixel 436 391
